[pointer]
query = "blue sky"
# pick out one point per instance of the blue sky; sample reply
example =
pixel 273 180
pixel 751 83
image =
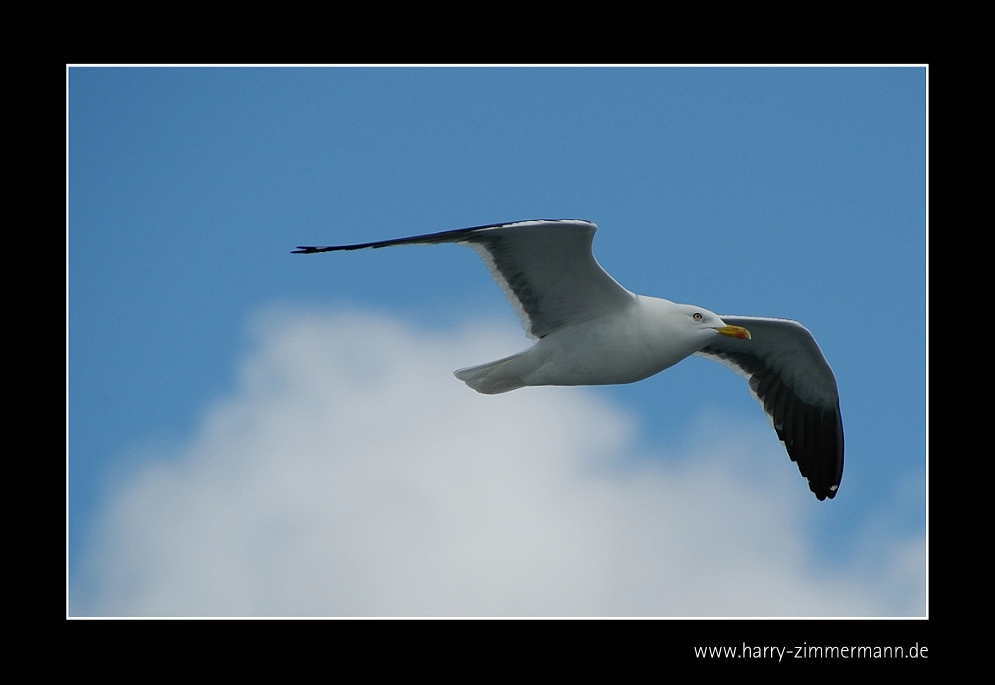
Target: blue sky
pixel 787 192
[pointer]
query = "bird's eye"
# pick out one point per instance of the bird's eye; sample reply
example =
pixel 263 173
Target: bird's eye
pixel 698 316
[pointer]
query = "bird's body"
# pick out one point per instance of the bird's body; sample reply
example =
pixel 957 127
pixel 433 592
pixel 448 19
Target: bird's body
pixel 592 331
pixel 622 347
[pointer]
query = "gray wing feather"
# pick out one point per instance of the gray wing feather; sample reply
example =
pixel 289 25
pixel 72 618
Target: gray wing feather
pixel 545 268
pixel 794 384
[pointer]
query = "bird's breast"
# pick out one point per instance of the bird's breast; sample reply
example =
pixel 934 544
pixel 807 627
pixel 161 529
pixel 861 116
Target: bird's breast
pixel 606 351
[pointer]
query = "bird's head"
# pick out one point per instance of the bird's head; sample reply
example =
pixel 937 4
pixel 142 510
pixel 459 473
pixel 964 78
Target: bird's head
pixel 708 323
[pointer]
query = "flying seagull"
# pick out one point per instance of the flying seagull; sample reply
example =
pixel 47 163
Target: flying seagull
pixel 592 331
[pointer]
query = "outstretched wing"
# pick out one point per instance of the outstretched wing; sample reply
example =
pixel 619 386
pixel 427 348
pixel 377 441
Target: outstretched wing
pixel 792 380
pixel 545 268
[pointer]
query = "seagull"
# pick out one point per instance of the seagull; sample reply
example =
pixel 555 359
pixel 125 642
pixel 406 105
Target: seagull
pixel 589 330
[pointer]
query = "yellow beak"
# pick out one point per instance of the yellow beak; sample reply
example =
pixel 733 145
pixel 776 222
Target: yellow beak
pixel 735 332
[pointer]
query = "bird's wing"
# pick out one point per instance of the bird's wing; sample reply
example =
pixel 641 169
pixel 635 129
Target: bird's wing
pixel 545 268
pixel 792 380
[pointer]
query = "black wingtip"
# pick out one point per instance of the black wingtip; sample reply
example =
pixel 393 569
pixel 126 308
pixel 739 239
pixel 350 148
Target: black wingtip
pixel 305 249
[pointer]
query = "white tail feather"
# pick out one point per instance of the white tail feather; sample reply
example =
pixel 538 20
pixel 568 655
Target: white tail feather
pixel 492 378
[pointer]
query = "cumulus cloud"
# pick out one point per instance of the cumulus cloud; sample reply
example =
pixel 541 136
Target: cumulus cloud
pixel 351 474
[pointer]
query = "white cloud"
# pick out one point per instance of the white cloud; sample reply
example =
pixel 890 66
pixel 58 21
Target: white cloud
pixel 352 474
